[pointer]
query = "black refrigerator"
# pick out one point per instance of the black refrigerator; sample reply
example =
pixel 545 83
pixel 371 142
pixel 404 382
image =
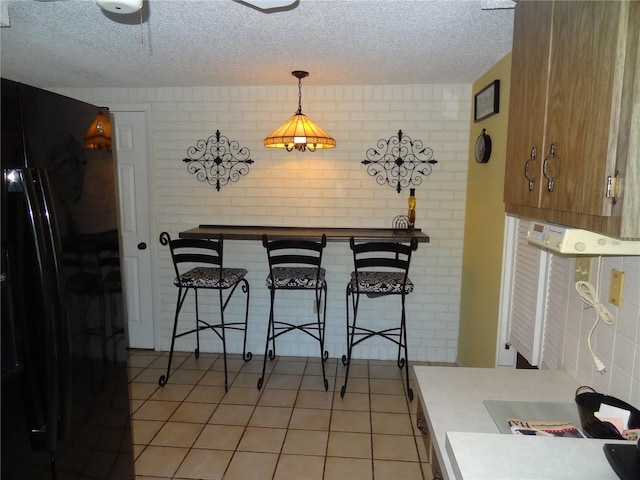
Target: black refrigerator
pixel 65 402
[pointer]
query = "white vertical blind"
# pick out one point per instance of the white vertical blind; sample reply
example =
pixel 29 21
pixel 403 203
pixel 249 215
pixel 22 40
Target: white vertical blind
pixel 528 296
pixel 559 276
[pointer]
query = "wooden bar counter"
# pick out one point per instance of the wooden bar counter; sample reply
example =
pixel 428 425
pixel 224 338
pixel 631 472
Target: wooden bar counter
pixel 333 234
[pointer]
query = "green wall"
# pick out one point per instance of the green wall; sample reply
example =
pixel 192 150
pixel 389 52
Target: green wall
pixel 484 232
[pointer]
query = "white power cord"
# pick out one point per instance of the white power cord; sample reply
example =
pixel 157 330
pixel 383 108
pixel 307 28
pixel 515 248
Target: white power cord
pixel 589 296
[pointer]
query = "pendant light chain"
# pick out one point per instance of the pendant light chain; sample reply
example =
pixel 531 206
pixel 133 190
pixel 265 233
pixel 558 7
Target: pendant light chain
pixel 299 96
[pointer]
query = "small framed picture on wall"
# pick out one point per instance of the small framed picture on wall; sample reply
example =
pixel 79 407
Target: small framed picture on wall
pixel 487 101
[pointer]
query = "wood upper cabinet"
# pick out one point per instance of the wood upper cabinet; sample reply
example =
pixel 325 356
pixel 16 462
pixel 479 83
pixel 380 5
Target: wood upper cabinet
pixel 572 147
pixel 529 67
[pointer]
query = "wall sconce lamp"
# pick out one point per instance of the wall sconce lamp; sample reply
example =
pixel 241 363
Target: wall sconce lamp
pixel 299 131
pixel 99 134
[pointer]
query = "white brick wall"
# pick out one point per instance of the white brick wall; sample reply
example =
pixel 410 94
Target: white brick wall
pixel 327 188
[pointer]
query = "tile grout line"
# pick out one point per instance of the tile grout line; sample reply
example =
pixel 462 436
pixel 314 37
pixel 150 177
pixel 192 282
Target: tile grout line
pixel 305 373
pixel 210 369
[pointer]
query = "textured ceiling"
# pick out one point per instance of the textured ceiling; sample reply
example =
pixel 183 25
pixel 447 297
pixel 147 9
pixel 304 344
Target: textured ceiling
pixel 73 43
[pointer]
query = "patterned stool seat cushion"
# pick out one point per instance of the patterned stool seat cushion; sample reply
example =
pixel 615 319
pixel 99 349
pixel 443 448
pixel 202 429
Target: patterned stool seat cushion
pixel 296 278
pixel 83 282
pixel 112 281
pixel 380 282
pixel 209 277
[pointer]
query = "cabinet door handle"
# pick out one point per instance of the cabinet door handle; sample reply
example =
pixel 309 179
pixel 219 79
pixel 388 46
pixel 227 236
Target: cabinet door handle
pixel 532 181
pixel 550 180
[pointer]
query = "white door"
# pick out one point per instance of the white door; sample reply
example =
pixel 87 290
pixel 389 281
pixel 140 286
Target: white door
pixel 133 190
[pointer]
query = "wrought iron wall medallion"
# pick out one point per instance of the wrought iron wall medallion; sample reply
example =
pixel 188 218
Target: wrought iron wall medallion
pixel 218 161
pixel 399 161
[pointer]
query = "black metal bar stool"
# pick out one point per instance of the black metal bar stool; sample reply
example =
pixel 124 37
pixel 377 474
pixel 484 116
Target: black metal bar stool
pixel 83 283
pixel 380 269
pixel 295 264
pixel 198 265
pixel 109 261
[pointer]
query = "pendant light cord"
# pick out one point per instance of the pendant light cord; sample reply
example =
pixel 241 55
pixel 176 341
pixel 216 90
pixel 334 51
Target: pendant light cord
pixel 141 31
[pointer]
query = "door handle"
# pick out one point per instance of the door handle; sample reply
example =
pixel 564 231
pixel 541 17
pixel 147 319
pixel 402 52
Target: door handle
pixel 142 246
pixel 550 180
pixel 532 182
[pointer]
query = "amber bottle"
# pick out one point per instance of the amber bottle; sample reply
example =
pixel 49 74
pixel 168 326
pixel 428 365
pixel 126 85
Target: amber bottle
pixel 412 209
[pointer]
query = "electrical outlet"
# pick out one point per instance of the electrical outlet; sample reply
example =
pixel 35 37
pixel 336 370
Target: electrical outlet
pixel 616 286
pixel 582 271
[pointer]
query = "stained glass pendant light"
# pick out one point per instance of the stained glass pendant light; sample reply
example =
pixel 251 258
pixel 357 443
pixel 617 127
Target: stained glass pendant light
pixel 99 134
pixel 299 131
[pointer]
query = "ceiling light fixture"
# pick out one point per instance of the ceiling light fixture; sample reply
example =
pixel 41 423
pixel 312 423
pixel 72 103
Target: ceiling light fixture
pixel 99 134
pixel 120 6
pixel 299 132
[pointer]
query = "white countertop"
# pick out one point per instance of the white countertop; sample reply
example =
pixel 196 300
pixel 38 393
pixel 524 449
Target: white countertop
pixel 468 443
pixel 488 456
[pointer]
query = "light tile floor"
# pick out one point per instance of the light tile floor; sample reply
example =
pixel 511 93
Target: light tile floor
pixel 292 429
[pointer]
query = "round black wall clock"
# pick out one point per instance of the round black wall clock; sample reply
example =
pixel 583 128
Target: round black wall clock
pixel 483 147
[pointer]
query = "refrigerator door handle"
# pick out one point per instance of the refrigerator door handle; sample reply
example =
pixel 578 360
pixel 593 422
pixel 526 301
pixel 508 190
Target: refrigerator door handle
pixel 11 365
pixel 62 323
pixel 43 336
